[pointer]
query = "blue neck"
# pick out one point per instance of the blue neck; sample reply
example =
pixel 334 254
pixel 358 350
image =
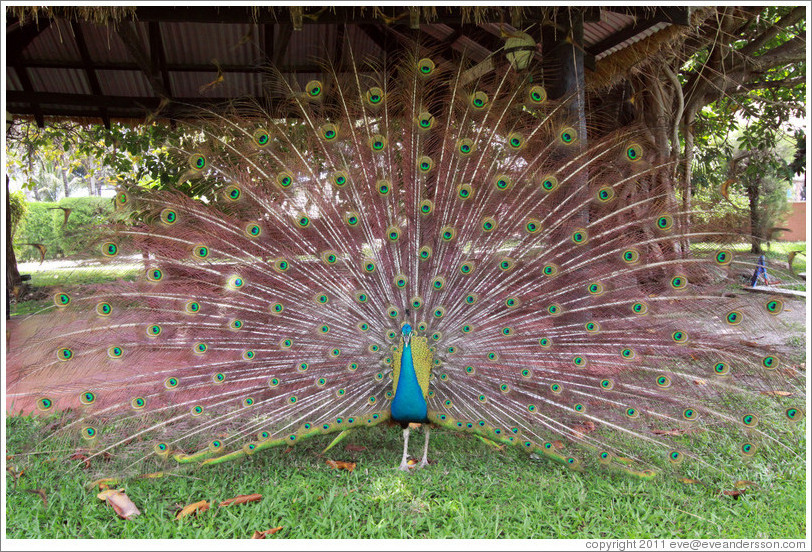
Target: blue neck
pixel 409 405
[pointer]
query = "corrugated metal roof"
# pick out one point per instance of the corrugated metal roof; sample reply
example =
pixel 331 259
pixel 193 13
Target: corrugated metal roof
pixel 123 83
pixel 54 43
pixel 12 80
pixel 194 52
pixel 65 81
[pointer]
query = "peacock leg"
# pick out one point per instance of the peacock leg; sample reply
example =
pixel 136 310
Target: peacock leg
pixel 425 461
pixel 404 465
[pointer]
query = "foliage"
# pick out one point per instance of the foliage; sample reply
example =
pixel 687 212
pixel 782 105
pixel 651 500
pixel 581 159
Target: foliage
pixel 92 153
pixel 44 225
pixel 18 209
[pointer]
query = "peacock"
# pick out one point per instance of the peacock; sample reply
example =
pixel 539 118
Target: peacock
pixel 413 243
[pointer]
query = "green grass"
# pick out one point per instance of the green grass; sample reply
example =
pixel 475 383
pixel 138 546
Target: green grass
pixel 469 491
pixel 777 253
pixel 44 279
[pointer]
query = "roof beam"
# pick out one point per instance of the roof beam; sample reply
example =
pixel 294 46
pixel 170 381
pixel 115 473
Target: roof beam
pixel 87 64
pixel 157 55
pixel 676 15
pixel 281 47
pixel 16 42
pixel 132 42
pixel 621 36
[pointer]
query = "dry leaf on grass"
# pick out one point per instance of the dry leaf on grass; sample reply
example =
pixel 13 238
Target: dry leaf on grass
pixel 121 503
pixel 196 508
pixel 339 465
pixel 678 431
pixel 266 533
pixel 40 493
pixel 241 499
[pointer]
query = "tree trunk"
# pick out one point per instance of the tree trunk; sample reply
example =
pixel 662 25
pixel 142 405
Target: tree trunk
pixel 753 194
pixel 65 181
pixel 13 280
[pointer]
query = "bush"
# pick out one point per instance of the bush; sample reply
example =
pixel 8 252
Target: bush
pixel 45 224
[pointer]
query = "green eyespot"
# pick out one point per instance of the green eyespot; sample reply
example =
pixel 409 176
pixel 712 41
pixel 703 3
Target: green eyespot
pixel 537 95
pixel 502 182
pixel 197 161
pixel 393 233
pixel 109 249
pixel 605 194
pixel 352 218
pixel 568 136
pixel 488 224
pixel 252 230
pixel 580 236
pixel 374 96
pixel 329 132
pixel 104 309
pixel 232 193
pixel 261 137
pixel 549 183
pixel 425 120
pixel 515 141
pixel 479 100
pixel 634 152
pixel 723 257
pixel 775 306
pixel 665 222
pixel 314 89
pixel 425 66
pixel 465 147
pixel 377 142
pixel 734 318
pixel 169 217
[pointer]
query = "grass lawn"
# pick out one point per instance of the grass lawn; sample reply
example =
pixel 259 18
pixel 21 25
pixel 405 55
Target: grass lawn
pixel 470 490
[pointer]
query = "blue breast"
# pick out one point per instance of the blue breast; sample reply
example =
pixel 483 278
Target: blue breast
pixel 409 405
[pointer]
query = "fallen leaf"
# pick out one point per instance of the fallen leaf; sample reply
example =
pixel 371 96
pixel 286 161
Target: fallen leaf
pixel 735 493
pixel 558 444
pixel 40 493
pixel 79 456
pixel 678 431
pixel 339 465
pixel 585 427
pixel 777 393
pixel 121 503
pixel 266 533
pixel 687 481
pixel 355 448
pixel 241 499
pixel 744 484
pixel 196 508
pixel 103 484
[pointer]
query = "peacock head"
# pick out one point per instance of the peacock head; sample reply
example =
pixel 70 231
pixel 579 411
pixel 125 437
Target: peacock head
pixel 406 331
